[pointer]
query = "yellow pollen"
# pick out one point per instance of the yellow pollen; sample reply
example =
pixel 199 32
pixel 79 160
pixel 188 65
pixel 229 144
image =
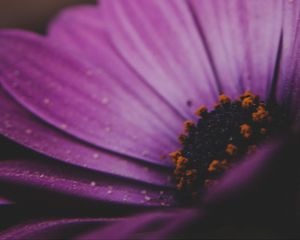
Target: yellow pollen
pixel 231 149
pixel 247 94
pixel 213 166
pixel 223 99
pixel 188 124
pixel 200 111
pixel 175 155
pixel 182 138
pixel 260 114
pixel 181 161
pixel 246 130
pixel 247 102
pixel 219 139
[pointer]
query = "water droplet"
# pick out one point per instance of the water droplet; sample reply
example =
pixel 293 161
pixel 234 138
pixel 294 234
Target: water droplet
pixel 147 198
pixel 63 126
pixel 109 191
pixel 93 184
pixel 143 192
pixel 28 131
pixel 95 155
pixel 104 100
pixel 68 151
pixel 46 100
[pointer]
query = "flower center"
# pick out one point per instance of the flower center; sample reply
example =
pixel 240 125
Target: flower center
pixel 220 138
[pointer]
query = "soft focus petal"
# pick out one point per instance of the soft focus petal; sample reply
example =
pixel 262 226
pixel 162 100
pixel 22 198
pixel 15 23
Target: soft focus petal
pixel 77 183
pixel 243 37
pixel 4 201
pixel 261 192
pixel 24 128
pixel 160 41
pixel 54 228
pixel 84 101
pixel 288 90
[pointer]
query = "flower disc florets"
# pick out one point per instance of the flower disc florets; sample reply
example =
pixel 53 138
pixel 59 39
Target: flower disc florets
pixel 220 138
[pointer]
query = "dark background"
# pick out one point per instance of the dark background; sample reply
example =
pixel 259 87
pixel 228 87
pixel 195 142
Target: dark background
pixel 32 14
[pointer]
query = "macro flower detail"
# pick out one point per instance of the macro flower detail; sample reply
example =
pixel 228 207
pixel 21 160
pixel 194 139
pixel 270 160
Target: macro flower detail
pixel 94 110
pixel 221 137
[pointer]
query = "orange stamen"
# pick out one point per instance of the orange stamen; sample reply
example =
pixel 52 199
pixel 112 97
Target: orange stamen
pixel 246 130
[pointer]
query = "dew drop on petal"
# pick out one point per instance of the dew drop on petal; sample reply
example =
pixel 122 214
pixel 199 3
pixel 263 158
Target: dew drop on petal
pixel 104 100
pixel 28 131
pixel 147 198
pixel 46 101
pixel 109 191
pixel 93 184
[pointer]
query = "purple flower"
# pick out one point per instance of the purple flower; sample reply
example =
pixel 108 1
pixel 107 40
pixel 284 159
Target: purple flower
pixel 101 101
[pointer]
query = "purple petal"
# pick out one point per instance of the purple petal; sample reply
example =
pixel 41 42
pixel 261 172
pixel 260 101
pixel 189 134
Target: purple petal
pixel 4 201
pixel 24 128
pixel 243 38
pixel 76 183
pixel 288 89
pixel 54 228
pixel 159 40
pixel 81 30
pixel 155 225
pixel 85 101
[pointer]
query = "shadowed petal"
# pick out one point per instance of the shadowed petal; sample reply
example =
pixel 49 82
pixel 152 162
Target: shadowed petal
pixel 54 228
pixel 4 201
pixel 24 128
pixel 254 197
pixel 76 183
pixel 288 89
pixel 84 101
pixel 159 40
pixel 261 192
pixel 156 225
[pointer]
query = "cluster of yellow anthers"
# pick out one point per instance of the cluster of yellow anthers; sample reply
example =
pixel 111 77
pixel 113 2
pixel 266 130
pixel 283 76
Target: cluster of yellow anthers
pixel 185 176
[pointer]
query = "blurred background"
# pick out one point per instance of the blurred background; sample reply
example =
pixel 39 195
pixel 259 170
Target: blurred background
pixel 32 14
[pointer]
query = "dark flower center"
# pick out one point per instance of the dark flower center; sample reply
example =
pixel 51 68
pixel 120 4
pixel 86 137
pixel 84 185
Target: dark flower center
pixel 220 138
